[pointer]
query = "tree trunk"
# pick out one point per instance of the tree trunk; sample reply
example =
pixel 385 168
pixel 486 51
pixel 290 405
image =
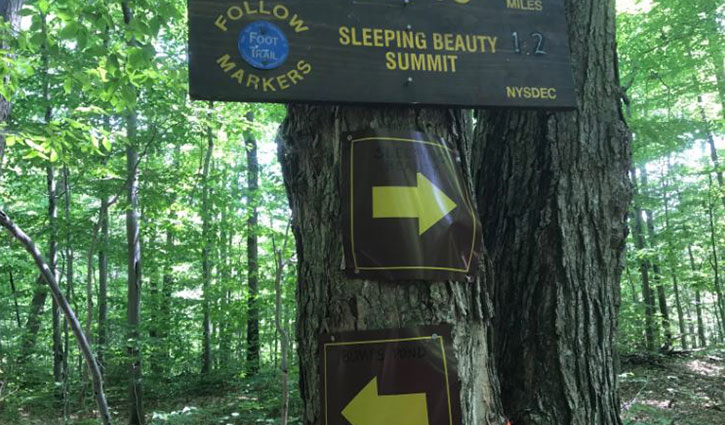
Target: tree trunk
pixel 103 281
pixel 15 298
pixel 167 291
pixel 224 281
pixel 206 242
pixel 328 301
pixel 8 12
pixel 133 240
pixel 698 302
pixel 719 334
pixel 252 250
pixel 32 326
pixel 688 316
pixel 713 150
pixel 644 266
pixel 52 209
pixel 553 194
pixel 53 263
pixel 167 280
pixel 280 264
pixel 672 259
pixel 719 301
pixel 680 314
pixel 103 249
pixel 69 290
pixel 652 244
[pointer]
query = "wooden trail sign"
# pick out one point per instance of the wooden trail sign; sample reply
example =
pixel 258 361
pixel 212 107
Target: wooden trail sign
pixel 478 53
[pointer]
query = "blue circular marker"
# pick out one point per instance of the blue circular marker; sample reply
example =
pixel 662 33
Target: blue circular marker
pixel 263 45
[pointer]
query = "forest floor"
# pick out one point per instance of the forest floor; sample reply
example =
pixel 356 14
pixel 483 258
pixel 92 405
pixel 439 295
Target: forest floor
pixel 684 389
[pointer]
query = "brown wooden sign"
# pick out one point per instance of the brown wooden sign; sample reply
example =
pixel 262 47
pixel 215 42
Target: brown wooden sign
pixel 400 377
pixel 407 209
pixel 479 53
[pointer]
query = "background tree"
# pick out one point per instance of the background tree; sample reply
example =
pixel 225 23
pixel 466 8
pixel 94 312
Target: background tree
pixel 252 250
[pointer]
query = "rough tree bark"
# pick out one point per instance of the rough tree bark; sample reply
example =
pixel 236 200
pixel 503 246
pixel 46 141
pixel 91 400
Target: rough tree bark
pixel 328 301
pixel 553 194
pixel 252 251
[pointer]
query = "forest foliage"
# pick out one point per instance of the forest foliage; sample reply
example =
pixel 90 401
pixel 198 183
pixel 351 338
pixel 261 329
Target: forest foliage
pixel 88 87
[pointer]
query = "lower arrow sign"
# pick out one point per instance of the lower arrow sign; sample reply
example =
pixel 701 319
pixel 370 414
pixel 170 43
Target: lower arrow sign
pixel 370 408
pixel 426 202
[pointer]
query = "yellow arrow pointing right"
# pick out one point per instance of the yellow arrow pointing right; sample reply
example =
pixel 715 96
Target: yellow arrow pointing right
pixel 426 202
pixel 370 408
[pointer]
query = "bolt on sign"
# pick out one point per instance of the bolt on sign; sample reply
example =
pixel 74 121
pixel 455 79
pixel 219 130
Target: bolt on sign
pixel 393 377
pixel 481 53
pixel 407 208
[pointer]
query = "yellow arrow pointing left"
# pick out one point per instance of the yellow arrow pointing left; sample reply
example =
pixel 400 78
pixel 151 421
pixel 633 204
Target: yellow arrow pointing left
pixel 370 408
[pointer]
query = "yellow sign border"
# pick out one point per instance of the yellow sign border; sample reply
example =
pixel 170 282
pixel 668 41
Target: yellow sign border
pixel 392 340
pixel 466 201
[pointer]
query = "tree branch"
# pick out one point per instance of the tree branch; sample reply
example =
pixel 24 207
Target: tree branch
pixel 58 296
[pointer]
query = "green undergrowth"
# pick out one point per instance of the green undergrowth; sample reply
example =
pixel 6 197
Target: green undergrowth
pixel 216 400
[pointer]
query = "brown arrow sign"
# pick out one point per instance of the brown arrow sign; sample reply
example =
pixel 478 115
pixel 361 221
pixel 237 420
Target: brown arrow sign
pixel 407 209
pixel 390 377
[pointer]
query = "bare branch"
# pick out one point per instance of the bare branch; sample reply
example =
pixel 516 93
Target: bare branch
pixel 59 298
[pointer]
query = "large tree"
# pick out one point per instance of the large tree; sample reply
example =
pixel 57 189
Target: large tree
pixel 328 301
pixel 553 195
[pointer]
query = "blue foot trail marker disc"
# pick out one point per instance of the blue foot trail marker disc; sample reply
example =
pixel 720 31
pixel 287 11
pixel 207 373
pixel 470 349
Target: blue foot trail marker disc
pixel 263 45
